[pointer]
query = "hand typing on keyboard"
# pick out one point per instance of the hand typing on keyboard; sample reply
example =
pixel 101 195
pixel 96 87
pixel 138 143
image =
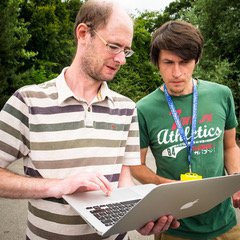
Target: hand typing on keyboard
pixel 81 182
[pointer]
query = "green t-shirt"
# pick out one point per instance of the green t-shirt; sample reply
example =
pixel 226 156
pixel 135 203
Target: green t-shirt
pixel 158 131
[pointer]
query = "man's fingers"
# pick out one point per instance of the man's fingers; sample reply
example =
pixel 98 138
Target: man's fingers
pixel 104 184
pixel 175 224
pixel 161 225
pixel 147 229
pixel 236 200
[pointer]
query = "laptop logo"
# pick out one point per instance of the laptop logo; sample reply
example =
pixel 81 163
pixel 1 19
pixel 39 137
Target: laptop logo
pixel 189 204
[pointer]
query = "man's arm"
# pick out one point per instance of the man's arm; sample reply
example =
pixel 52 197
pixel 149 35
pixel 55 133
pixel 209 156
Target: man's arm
pixel 13 185
pixel 232 159
pixel 231 152
pixel 144 174
pixel 125 179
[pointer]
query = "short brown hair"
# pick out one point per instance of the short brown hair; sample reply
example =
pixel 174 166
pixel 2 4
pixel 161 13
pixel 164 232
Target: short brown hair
pixel 180 37
pixel 94 14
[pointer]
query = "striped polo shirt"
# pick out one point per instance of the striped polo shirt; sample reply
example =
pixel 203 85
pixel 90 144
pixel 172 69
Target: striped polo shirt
pixel 57 135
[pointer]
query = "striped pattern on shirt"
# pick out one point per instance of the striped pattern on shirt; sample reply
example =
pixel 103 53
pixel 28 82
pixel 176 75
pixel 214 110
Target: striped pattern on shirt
pixel 58 135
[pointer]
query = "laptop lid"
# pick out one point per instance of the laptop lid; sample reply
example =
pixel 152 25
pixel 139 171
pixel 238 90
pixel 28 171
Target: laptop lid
pixel 180 199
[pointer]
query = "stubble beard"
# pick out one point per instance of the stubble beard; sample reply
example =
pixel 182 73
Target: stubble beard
pixel 182 91
pixel 88 63
pixel 176 92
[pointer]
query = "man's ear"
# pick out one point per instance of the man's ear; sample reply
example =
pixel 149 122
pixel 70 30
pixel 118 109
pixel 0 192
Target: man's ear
pixel 82 31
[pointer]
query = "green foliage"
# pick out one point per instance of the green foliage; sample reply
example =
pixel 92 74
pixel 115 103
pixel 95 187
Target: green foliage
pixel 219 72
pixel 176 9
pixel 13 39
pixel 34 76
pixel 36 41
pixel 136 83
pixel 51 33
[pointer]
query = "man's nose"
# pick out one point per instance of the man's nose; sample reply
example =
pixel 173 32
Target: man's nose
pixel 176 71
pixel 120 58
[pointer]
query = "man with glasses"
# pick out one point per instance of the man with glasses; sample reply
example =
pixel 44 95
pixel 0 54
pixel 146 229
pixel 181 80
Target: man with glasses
pixel 73 133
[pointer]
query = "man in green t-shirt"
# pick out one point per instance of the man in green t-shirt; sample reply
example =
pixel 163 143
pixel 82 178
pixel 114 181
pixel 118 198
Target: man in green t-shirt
pixel 190 126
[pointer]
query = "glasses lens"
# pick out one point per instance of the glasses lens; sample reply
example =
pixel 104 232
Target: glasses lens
pixel 128 52
pixel 116 49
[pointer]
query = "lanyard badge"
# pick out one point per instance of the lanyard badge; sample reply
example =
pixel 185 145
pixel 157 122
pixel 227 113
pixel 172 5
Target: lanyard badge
pixel 190 175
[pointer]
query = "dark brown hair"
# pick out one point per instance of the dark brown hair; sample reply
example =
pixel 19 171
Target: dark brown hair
pixel 94 14
pixel 180 37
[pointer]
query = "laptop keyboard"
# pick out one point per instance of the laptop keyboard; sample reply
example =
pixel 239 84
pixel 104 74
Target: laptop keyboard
pixel 108 214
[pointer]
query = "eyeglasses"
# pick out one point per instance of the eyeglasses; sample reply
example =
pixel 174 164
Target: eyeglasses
pixel 115 49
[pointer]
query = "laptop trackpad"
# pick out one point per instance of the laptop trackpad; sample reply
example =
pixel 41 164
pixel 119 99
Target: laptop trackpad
pixel 118 195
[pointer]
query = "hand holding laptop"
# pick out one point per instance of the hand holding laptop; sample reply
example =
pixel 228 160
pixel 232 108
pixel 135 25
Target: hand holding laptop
pixel 236 199
pixel 162 224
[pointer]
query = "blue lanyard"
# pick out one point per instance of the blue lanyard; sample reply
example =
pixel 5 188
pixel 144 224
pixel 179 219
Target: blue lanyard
pixel 179 124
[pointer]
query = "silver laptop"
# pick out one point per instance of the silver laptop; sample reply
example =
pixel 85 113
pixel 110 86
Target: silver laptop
pixel 131 208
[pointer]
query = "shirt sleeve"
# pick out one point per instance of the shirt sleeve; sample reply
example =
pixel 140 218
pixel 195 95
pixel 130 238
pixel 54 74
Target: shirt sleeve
pixel 231 120
pixel 14 131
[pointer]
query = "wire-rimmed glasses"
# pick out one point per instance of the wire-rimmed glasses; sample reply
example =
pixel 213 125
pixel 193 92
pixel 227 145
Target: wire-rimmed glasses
pixel 115 49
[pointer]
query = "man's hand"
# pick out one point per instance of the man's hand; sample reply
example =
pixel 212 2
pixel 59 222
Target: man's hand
pixel 162 224
pixel 81 182
pixel 236 199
